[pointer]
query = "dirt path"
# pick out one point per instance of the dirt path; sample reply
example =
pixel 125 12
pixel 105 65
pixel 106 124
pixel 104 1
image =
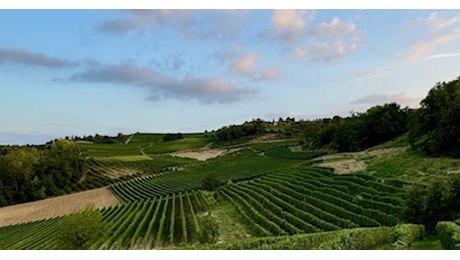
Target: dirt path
pixel 143 148
pixel 230 228
pixel 58 206
pixel 129 139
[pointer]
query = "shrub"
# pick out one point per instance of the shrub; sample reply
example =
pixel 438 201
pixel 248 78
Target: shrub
pixel 404 235
pixel 210 182
pixel 79 230
pixel 358 239
pixel 448 233
pixel 172 137
pixel 209 230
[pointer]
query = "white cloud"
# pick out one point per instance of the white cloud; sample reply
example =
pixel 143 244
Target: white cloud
pixel 400 98
pixel 437 31
pixel 334 28
pixel 434 22
pixel 247 64
pixel 442 55
pixel 422 48
pixel 329 42
pixel 244 65
pixel 289 25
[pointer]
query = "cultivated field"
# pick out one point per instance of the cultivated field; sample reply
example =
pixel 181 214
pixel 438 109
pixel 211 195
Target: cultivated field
pixel 270 195
pixel 54 207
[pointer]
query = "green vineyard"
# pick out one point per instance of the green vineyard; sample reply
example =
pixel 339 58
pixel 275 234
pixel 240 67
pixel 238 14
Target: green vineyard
pixel 306 200
pixel 144 224
pixel 164 209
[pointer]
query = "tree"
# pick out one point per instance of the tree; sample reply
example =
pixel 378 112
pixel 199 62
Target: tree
pixel 171 137
pixel 80 230
pixel 29 173
pixel 18 180
pixel 382 123
pixel 435 128
pixel 438 201
pixel 210 182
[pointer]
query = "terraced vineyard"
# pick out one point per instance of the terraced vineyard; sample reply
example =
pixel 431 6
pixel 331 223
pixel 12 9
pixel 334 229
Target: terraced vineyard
pixel 272 197
pixel 143 224
pixel 154 185
pixel 106 172
pixel 308 199
pixel 225 168
pixel 163 184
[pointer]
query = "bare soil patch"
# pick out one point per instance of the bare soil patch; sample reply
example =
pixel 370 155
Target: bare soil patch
pixel 363 154
pixel 203 154
pixel 58 206
pixel 345 166
pixel 344 163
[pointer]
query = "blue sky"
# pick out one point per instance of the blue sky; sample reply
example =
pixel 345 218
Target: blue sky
pixel 80 72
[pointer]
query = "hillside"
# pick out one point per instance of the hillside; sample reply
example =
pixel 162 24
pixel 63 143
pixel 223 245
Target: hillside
pixel 264 188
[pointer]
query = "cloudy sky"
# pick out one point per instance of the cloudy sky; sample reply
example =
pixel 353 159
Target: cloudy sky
pixel 80 72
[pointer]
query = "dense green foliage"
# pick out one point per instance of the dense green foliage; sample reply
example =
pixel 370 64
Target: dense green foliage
pixel 359 131
pixel 435 127
pixel 448 233
pixel 406 234
pixel 171 137
pixel 101 139
pixel 210 182
pixel 31 173
pixel 79 230
pixel 248 129
pixel 437 201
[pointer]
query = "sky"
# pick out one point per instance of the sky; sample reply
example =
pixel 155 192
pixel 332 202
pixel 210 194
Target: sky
pixel 67 72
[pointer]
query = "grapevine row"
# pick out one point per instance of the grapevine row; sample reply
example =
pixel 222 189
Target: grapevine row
pixel 144 224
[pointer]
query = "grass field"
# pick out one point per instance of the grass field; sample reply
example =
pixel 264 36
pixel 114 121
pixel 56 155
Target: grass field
pixel 411 166
pixel 143 144
pixel 393 159
pixel 177 145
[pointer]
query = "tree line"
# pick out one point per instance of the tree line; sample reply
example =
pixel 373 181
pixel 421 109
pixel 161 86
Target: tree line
pixel 358 131
pixel 30 173
pixel 433 129
pixel 100 139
